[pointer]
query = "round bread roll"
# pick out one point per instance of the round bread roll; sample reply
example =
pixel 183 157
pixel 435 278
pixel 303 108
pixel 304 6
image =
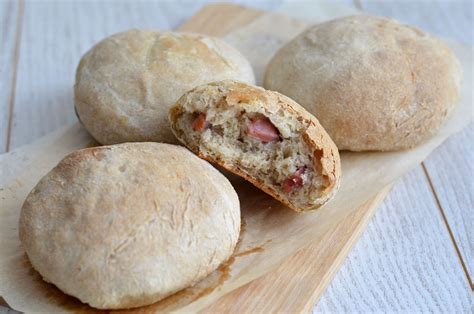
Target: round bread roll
pixel 126 83
pixel 374 84
pixel 263 136
pixel 127 225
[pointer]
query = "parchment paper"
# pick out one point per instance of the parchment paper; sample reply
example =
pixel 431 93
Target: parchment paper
pixel 271 232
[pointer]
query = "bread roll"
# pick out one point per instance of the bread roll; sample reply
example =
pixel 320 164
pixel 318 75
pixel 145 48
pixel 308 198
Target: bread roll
pixel 126 83
pixel 126 225
pixel 374 84
pixel 262 136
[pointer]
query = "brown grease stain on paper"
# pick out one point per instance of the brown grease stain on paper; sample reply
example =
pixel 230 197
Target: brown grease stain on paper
pixel 257 249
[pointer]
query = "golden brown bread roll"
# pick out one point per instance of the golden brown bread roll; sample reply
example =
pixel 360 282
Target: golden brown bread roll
pixel 374 84
pixel 126 225
pixel 126 83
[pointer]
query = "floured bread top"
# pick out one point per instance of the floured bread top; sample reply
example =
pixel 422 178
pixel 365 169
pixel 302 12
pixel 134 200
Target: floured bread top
pixel 374 84
pixel 127 225
pixel 126 83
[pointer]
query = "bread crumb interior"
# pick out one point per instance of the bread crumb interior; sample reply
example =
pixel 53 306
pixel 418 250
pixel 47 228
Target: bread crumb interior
pixel 225 140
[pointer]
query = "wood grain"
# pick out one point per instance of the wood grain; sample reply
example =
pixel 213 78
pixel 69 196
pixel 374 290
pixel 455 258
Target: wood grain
pixel 451 171
pixel 448 19
pixel 10 23
pixel 227 20
pixel 404 262
pixel 296 285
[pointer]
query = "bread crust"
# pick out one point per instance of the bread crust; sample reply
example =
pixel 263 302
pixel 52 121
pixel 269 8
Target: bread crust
pixel 325 152
pixel 126 83
pixel 126 225
pixel 374 84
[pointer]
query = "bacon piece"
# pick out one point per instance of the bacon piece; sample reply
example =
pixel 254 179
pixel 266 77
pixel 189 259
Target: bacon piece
pixel 263 129
pixel 294 181
pixel 200 123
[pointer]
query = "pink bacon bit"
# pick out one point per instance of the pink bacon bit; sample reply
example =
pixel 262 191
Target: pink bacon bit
pixel 200 124
pixel 262 129
pixel 294 181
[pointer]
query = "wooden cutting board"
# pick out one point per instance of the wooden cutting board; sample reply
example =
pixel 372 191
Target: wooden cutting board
pixel 297 284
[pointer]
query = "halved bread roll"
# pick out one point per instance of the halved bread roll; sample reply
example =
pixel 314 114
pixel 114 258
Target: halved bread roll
pixel 263 136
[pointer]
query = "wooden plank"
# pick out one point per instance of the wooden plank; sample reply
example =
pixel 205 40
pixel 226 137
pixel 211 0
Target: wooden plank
pixel 448 19
pixel 297 284
pixel 10 23
pixel 451 172
pixel 404 262
pixel 227 20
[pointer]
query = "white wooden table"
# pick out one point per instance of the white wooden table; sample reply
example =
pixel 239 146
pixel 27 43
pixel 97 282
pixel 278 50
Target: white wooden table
pixel 417 254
